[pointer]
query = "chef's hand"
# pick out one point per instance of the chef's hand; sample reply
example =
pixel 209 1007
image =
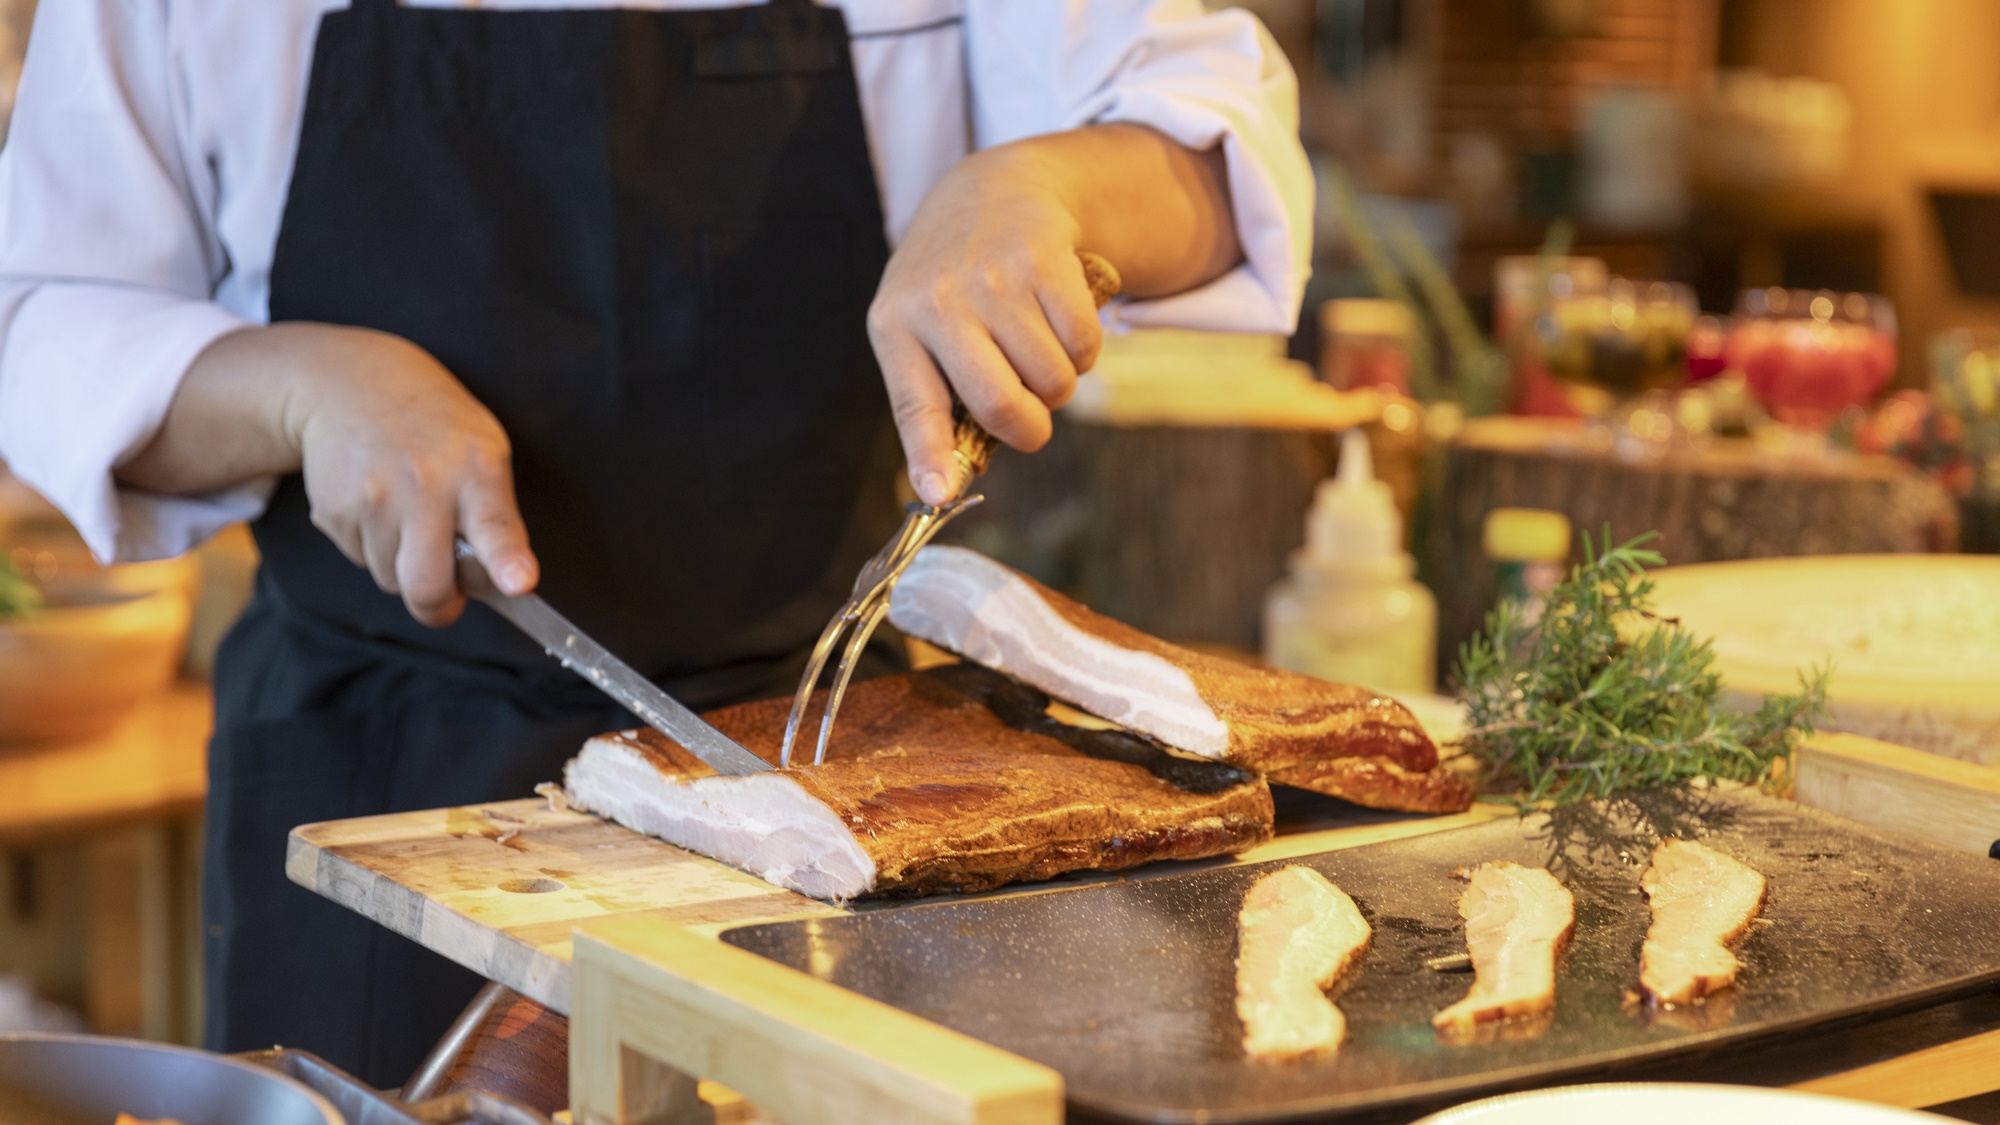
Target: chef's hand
pixel 398 457
pixel 985 294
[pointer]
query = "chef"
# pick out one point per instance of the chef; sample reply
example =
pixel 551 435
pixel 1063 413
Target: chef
pixel 648 304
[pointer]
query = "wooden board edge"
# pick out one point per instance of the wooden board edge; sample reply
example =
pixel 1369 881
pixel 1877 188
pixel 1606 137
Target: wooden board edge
pixel 490 952
pixel 806 1051
pixel 1941 801
pixel 1965 1068
pixel 1360 835
pixel 1919 763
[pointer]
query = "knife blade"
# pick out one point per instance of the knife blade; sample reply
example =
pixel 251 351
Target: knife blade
pixel 615 678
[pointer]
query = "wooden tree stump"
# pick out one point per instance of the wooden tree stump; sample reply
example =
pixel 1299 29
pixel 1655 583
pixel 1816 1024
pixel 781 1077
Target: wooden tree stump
pixel 1723 501
pixel 1176 530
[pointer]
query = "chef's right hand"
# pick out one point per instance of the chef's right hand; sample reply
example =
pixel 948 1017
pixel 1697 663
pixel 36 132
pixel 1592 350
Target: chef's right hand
pixel 398 457
pixel 399 460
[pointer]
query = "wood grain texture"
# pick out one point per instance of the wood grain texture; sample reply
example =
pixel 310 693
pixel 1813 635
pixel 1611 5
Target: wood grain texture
pixel 1942 801
pixel 436 877
pixel 498 888
pixel 1723 502
pixel 702 1008
pixel 153 764
pixel 1945 1073
pixel 503 1043
pixel 1914 659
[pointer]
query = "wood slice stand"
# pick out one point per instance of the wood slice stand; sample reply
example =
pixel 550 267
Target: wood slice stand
pixel 1177 530
pixel 1723 501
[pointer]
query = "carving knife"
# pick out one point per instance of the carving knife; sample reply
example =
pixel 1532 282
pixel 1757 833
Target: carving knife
pixel 615 678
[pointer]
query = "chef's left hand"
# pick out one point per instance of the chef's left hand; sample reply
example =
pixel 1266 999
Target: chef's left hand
pixel 985 295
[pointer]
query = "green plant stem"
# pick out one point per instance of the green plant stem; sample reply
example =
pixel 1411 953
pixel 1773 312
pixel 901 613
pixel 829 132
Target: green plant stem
pixel 1564 707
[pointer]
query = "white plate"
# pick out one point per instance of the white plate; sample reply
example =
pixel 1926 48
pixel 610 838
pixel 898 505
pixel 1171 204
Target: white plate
pixel 1672 1103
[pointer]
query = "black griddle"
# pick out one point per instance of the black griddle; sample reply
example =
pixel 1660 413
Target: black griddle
pixel 1126 987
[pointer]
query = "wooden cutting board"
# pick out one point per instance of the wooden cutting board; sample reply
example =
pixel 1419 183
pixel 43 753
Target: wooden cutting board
pixel 1914 640
pixel 498 888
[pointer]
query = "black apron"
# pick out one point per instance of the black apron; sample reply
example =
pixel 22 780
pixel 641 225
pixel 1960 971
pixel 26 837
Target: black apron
pixel 646 241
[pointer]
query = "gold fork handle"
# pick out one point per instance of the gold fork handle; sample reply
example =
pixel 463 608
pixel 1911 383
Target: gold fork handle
pixel 972 446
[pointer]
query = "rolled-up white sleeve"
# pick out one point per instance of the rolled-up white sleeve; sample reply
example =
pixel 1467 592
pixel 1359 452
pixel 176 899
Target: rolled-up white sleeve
pixel 1202 78
pixel 107 265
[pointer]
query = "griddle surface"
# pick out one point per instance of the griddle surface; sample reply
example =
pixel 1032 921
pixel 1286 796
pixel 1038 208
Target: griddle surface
pixel 1127 988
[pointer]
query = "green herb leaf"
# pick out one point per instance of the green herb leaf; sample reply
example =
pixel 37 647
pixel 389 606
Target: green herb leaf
pixel 1565 708
pixel 18 596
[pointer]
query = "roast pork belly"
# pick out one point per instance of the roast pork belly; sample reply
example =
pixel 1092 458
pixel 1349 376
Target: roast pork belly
pixel 1517 919
pixel 1293 729
pixel 1702 900
pixel 1296 934
pixel 924 789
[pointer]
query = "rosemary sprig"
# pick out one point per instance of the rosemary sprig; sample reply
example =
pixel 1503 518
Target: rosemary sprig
pixel 1564 708
pixel 18 596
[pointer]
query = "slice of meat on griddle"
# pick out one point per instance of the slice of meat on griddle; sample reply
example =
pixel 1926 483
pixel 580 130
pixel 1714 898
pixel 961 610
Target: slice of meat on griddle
pixel 1296 934
pixel 923 789
pixel 1517 919
pixel 1294 729
pixel 1702 900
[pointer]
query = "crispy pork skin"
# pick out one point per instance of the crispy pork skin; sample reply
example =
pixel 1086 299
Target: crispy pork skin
pixel 1284 725
pixel 1702 900
pixel 1296 934
pixel 924 789
pixel 1517 919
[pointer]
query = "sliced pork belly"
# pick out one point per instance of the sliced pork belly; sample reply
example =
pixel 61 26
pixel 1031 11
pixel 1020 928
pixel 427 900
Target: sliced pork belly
pixel 1702 900
pixel 1289 727
pixel 1296 934
pixel 924 789
pixel 1517 919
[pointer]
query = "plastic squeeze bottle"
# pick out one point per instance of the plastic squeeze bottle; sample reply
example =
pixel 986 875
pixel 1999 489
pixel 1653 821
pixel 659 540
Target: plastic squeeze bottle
pixel 1350 611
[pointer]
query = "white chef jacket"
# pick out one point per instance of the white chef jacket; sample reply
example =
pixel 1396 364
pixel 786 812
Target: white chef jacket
pixel 152 144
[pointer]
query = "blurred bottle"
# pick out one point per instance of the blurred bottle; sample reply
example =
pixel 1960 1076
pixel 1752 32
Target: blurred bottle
pixel 1529 549
pixel 1525 286
pixel 1365 342
pixel 1350 611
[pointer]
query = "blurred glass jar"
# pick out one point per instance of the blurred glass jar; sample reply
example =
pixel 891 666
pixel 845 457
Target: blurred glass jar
pixel 1705 343
pixel 1630 339
pixel 1524 286
pixel 1365 342
pixel 1807 355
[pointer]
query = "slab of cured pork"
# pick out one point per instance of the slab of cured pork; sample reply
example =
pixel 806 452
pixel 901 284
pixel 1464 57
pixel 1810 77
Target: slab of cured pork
pixel 1702 900
pixel 1517 919
pixel 1292 729
pixel 925 788
pixel 1296 934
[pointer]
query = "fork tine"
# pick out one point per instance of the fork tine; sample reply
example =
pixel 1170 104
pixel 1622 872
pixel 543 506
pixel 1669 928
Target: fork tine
pixel 827 639
pixel 864 610
pixel 865 586
pixel 848 659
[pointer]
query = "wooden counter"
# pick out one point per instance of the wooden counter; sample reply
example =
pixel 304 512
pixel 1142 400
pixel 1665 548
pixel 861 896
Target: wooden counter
pixel 102 837
pixel 154 765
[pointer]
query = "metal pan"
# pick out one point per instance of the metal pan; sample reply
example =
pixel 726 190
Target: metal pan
pixel 86 1080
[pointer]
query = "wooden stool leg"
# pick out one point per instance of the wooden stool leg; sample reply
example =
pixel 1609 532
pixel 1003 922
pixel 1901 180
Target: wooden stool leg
pixel 432 1075
pixel 504 1043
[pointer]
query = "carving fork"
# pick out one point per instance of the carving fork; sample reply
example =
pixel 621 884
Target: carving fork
pixel 869 603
